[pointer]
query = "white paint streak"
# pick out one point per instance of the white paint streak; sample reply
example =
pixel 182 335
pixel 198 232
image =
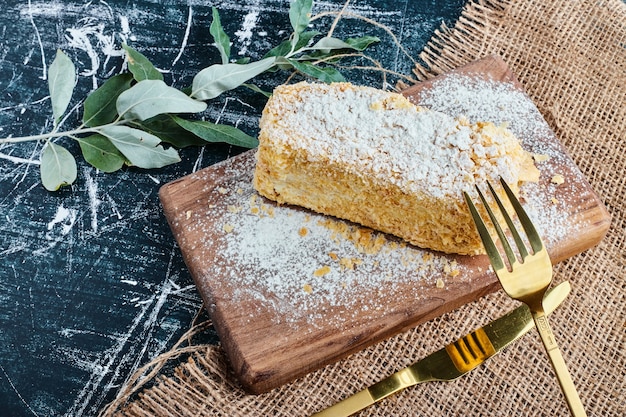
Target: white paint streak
pixel 65 217
pixel 114 208
pixel 17 392
pixel 99 372
pixel 126 32
pixel 244 35
pixel 116 359
pixel 44 66
pixel 94 201
pixel 92 39
pixel 92 36
pixel 198 163
pixel 185 37
pixel 47 9
pixel 155 179
pixel 13 249
pixel 396 59
pixel 68 332
pixel 23 105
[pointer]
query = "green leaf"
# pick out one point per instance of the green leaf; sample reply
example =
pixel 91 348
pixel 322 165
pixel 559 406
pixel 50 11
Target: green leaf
pixel 327 43
pixel 58 167
pixel 212 132
pixel 99 107
pixel 61 80
pixel 165 128
pixel 285 47
pixel 283 63
pixel 326 74
pixel 140 66
pixel 148 98
pixel 282 49
pixel 327 48
pixel 101 153
pixel 257 89
pixel 140 148
pixel 222 41
pixel 300 15
pixel 360 44
pixel 214 80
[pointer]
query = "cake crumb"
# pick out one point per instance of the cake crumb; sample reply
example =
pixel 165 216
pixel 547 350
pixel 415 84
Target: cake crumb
pixel 188 214
pixel 333 256
pixel 320 272
pixel 539 157
pixel 307 288
pixel 440 283
pixel 558 179
pixel 554 200
pixel 267 209
pixel 451 269
pixel 303 231
pixel 234 209
pixel 228 228
pixel 350 263
pixel 222 190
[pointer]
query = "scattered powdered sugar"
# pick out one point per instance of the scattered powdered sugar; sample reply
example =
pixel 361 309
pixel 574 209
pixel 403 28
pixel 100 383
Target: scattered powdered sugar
pixel 302 264
pixel 302 267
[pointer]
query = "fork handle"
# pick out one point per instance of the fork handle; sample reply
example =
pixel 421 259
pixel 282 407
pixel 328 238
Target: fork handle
pixel 558 363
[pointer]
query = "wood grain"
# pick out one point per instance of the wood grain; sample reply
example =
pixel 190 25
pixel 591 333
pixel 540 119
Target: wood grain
pixel 265 351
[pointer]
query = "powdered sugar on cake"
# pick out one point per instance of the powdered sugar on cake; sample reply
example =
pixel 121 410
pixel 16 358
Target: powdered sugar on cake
pixel 503 103
pixel 373 132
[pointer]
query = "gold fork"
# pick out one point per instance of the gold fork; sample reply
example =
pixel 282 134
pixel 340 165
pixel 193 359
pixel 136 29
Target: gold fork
pixel 526 279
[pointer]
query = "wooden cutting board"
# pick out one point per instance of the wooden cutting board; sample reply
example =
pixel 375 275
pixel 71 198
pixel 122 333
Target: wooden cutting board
pixel 290 290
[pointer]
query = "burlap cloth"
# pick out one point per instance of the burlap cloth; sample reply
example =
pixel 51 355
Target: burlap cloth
pixel 571 57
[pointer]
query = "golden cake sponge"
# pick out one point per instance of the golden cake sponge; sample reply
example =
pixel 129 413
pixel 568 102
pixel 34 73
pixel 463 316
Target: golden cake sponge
pixel 376 159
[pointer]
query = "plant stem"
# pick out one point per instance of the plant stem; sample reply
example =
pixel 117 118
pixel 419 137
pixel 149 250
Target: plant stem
pixel 55 134
pixel 334 24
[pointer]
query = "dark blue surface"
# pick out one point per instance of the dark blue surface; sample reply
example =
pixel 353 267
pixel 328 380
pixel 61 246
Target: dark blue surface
pixel 92 284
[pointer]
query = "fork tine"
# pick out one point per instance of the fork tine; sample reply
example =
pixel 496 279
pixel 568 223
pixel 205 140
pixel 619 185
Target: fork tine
pixel 490 247
pixel 533 237
pixel 521 246
pixel 505 242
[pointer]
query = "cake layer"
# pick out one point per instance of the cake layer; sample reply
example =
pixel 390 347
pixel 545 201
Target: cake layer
pixel 374 158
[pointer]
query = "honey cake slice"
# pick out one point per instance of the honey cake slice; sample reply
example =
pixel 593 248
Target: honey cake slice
pixel 376 159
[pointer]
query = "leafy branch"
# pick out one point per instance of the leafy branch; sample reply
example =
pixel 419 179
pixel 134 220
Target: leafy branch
pixel 130 116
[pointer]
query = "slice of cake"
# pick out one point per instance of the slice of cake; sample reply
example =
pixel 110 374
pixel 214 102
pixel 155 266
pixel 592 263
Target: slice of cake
pixel 374 158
